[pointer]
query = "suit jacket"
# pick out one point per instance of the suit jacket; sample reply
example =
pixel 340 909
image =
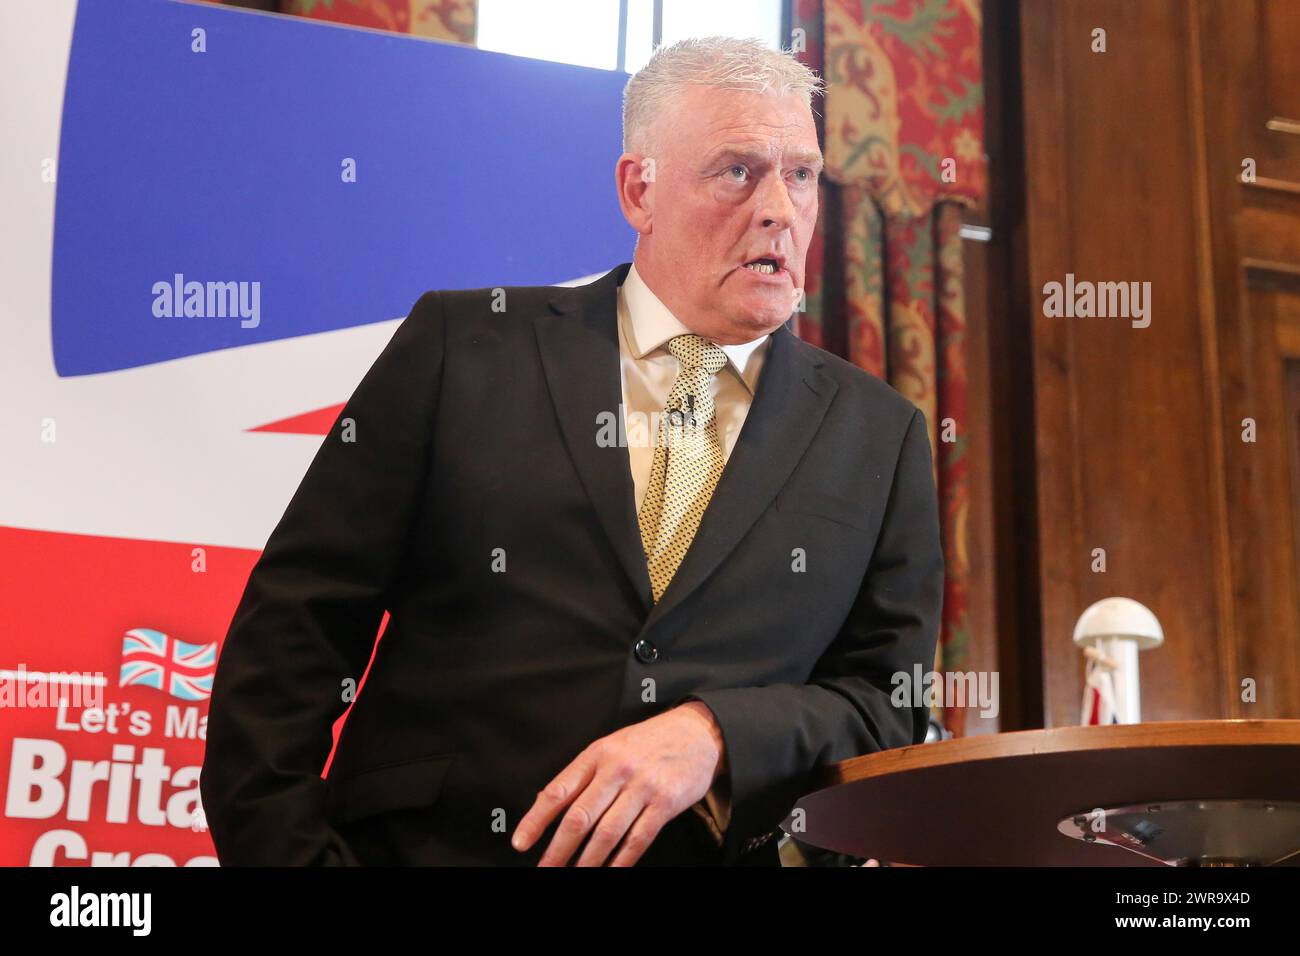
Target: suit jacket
pixel 476 503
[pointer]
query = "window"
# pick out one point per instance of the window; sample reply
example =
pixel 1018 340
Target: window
pixel 609 34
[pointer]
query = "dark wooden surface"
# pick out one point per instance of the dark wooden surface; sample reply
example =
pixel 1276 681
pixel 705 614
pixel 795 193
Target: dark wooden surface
pixel 995 800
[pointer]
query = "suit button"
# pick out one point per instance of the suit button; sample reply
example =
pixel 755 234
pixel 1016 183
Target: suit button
pixel 646 652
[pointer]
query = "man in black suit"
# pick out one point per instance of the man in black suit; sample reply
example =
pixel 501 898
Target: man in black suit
pixel 639 641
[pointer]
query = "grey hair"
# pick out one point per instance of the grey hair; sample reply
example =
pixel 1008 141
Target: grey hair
pixel 723 62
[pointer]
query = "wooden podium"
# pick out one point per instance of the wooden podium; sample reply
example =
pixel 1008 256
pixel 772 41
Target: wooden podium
pixel 1190 793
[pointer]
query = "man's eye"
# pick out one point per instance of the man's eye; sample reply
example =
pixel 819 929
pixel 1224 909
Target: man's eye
pixel 737 169
pixel 804 174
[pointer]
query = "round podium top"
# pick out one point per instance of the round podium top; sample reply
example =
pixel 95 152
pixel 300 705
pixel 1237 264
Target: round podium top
pixel 996 800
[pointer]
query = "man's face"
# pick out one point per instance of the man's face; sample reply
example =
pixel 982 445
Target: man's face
pixel 735 181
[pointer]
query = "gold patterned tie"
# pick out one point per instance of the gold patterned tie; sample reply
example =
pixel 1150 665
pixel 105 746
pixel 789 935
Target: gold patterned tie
pixel 687 462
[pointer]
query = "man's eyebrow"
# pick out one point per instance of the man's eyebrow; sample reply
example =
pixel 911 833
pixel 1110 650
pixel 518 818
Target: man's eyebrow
pixel 756 157
pixel 810 159
pixel 737 152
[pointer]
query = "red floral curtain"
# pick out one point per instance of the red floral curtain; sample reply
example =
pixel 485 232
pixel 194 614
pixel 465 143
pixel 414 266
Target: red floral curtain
pixel 902 132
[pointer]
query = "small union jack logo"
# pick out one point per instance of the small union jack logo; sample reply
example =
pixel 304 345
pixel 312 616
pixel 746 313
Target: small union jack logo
pixel 153 659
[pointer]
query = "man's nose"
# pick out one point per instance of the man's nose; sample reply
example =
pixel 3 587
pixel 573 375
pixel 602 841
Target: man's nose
pixel 775 208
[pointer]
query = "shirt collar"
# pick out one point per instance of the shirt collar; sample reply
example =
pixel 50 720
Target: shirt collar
pixel 650 325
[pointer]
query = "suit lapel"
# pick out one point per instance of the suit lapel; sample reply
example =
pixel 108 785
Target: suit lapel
pixel 789 404
pixel 578 341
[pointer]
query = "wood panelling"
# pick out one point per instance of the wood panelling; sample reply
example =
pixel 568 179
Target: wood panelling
pixel 1126 455
pixel 1133 163
pixel 1003 584
pixel 1256 280
pixel 982 580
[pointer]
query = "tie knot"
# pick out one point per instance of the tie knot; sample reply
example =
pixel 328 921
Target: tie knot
pixel 695 351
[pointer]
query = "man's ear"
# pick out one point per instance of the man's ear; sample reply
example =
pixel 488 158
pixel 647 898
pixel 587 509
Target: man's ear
pixel 634 177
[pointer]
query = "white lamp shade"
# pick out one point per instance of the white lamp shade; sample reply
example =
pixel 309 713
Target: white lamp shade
pixel 1119 617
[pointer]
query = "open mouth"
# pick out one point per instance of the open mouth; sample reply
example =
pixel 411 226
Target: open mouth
pixel 765 267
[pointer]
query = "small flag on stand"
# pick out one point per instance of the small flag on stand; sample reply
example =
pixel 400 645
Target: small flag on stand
pixel 1099 689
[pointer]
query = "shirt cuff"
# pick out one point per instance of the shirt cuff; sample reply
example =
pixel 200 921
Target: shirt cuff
pixel 715 810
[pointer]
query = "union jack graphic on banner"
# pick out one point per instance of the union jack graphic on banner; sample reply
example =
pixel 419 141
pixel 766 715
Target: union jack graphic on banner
pixel 153 659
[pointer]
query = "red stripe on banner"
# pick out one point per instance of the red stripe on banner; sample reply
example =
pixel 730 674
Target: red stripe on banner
pixel 318 422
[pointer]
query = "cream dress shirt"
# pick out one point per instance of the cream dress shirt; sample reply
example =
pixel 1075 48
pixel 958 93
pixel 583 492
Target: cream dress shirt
pixel 648 371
